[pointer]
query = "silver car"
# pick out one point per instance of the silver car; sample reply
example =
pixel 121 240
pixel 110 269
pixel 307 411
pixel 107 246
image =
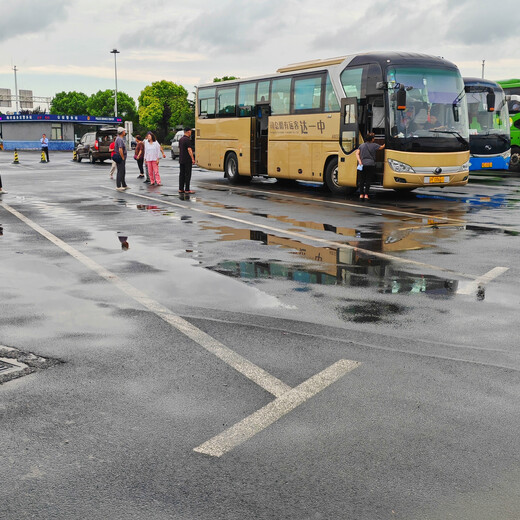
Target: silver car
pixel 175 144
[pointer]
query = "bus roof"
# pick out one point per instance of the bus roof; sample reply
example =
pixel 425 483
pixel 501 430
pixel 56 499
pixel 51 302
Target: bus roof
pixel 509 82
pixel 383 58
pixel 480 82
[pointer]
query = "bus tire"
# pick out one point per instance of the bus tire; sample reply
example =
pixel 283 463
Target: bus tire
pixel 231 170
pixel 331 179
pixel 514 163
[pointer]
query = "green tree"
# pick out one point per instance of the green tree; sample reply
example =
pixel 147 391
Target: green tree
pixel 224 78
pixel 69 104
pixel 164 105
pixel 101 104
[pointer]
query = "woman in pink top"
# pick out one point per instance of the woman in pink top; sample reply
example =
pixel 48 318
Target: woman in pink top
pixel 152 153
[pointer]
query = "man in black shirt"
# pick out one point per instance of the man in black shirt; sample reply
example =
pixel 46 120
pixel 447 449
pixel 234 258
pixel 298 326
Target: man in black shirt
pixel 186 160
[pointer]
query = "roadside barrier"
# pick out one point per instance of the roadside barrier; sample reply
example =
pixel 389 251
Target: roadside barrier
pixel 74 156
pixel 16 161
pixel 43 157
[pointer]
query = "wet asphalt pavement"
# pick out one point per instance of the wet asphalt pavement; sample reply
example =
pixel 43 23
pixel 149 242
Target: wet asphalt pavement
pixel 161 322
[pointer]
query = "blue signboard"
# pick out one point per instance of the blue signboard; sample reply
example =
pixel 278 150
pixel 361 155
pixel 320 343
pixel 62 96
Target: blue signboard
pixel 60 119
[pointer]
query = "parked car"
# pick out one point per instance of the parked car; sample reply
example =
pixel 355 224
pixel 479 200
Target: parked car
pixel 94 146
pixel 175 142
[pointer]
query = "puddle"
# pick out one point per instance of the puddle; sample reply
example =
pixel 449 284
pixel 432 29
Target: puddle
pixel 362 272
pixel 386 238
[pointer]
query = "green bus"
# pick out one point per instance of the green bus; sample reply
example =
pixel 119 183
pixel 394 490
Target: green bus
pixel 511 89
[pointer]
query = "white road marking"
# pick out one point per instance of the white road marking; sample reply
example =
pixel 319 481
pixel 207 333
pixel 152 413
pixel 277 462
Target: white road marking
pixel 287 398
pixel 472 287
pixel 261 419
pixel 303 236
pixel 256 374
pixel 16 366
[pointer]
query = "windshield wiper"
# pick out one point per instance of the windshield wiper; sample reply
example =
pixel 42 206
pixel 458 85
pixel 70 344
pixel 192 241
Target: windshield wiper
pixel 452 132
pixel 499 135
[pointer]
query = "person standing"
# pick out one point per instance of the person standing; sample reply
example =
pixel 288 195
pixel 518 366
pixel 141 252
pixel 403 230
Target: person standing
pixel 120 149
pixel 45 146
pixel 114 165
pixel 186 161
pixel 152 154
pixel 366 158
pixel 139 155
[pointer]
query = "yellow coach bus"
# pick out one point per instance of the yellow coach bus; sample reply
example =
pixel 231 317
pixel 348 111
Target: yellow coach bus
pixel 306 121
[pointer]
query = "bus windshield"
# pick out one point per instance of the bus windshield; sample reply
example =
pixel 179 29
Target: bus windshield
pixel 436 111
pixel 482 122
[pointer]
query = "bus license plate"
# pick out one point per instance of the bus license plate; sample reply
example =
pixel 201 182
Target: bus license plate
pixel 487 165
pixel 433 180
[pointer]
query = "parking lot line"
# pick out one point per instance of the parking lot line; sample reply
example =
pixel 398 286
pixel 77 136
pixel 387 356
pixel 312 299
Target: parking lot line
pixel 473 286
pixel 303 236
pixel 261 419
pixel 253 372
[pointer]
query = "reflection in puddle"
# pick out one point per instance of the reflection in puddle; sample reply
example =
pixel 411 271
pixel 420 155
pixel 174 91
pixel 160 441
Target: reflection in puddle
pixel 390 236
pixel 124 242
pixel 330 266
pixel 396 234
pixel 359 272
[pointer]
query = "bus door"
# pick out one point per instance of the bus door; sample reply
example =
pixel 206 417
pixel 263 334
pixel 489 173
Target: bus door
pixel 348 142
pixel 376 124
pixel 259 136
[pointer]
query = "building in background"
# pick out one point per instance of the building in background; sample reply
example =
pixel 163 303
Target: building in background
pixel 23 131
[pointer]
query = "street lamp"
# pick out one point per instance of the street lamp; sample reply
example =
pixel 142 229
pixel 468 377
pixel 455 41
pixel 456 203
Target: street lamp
pixel 115 52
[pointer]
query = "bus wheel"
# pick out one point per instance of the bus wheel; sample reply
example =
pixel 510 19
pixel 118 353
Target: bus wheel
pixel 231 168
pixel 331 179
pixel 514 163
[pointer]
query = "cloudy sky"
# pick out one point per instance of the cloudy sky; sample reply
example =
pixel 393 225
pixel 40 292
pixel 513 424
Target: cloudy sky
pixel 65 44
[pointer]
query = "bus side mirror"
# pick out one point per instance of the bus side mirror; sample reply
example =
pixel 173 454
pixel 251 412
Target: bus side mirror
pixel 401 98
pixel 490 100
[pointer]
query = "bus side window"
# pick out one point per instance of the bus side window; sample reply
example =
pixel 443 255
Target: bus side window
pixel 262 91
pixel 226 97
pixel 281 96
pixel 246 99
pixel 206 102
pixel 378 116
pixel 331 100
pixel 307 93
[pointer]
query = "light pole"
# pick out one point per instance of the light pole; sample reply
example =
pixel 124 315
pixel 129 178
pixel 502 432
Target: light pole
pixel 115 52
pixel 16 90
pixel 483 65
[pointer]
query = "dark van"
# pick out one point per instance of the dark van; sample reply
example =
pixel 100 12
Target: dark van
pixel 94 146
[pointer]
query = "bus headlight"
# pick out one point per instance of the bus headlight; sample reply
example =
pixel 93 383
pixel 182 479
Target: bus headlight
pixel 400 167
pixel 506 154
pixel 465 166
